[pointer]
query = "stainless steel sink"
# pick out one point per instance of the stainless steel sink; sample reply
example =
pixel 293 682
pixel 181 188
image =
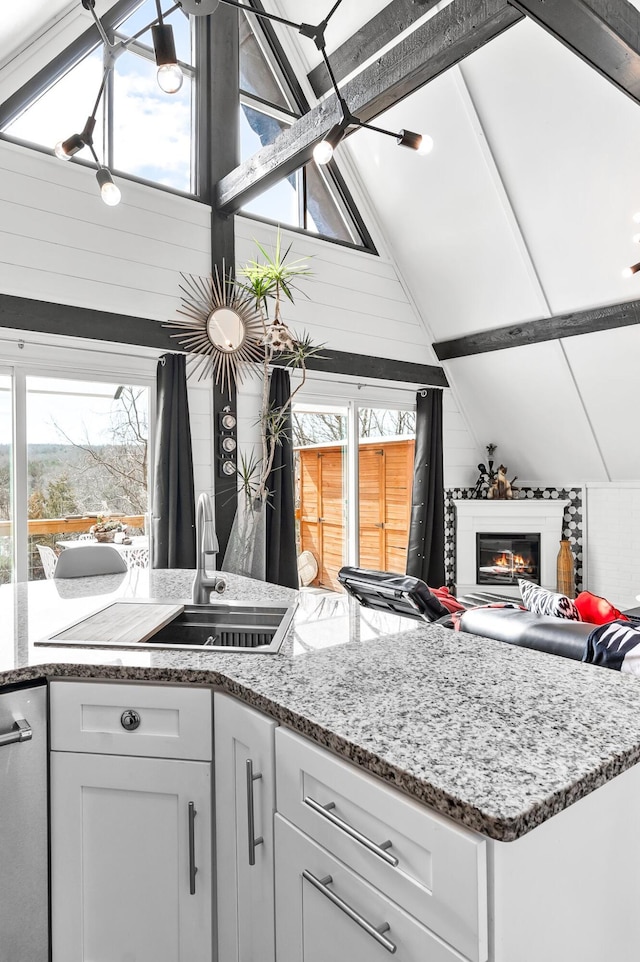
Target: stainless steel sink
pixel 229 626
pixel 226 626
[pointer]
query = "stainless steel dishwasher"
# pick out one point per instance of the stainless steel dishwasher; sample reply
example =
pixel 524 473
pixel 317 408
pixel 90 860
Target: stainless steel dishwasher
pixel 24 873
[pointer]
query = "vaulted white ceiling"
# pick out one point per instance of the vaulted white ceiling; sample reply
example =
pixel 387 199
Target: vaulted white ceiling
pixel 523 210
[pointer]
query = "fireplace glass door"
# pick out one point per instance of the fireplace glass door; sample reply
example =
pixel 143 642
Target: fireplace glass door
pixel 503 558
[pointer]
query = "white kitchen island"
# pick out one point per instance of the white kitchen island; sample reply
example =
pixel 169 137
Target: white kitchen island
pixel 530 758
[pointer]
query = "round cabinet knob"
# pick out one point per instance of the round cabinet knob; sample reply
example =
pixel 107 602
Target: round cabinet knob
pixel 130 720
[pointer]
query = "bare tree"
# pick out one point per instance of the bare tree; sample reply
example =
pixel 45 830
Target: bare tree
pixel 113 475
pixel 329 427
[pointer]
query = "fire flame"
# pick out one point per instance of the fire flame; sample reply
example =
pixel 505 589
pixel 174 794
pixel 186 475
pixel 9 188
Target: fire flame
pixel 510 561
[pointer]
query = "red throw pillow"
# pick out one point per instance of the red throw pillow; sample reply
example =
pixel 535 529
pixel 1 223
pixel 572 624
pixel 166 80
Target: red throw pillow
pixel 445 598
pixel 596 610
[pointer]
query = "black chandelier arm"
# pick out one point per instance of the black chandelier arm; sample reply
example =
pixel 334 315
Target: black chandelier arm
pixel 136 36
pixel 378 130
pixel 347 116
pixel 105 77
pixel 93 153
pixel 159 10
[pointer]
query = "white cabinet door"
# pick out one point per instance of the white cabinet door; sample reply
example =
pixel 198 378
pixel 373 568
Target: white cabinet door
pixel 126 836
pixel 245 803
pixel 324 911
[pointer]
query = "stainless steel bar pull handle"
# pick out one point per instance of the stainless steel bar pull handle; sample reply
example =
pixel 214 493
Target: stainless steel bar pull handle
pixel 21 732
pixel 375 931
pixel 326 812
pixel 253 841
pixel 192 848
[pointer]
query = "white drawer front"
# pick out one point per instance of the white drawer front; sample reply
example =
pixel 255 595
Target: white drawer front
pixel 173 722
pixel 440 875
pixel 324 911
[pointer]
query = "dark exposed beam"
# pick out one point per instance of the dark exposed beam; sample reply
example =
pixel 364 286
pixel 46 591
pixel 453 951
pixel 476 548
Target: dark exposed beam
pixel 545 329
pixel 393 20
pixel 433 47
pixel 24 314
pixel 604 33
pixel 362 365
pixel 218 99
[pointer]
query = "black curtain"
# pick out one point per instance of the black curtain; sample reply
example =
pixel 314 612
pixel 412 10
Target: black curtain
pixel 173 509
pixel 425 556
pixel 282 568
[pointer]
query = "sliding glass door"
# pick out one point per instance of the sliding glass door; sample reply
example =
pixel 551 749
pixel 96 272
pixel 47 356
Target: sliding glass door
pixel 71 451
pixel 87 457
pixel 319 437
pixel 354 472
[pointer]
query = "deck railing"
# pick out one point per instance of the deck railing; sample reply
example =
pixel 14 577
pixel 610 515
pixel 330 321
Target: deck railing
pixel 38 526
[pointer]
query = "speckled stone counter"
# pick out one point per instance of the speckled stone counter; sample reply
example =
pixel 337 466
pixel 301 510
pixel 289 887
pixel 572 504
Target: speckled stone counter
pixel 498 738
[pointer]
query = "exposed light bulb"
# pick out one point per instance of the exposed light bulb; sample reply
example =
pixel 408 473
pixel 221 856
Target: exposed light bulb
pixel 630 271
pixel 65 149
pixel 109 191
pixel 60 152
pixel 322 153
pixel 111 195
pixel 170 78
pixel 426 145
pixel 421 143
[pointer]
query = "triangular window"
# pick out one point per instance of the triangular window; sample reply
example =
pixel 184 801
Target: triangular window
pixel 271 100
pixel 139 129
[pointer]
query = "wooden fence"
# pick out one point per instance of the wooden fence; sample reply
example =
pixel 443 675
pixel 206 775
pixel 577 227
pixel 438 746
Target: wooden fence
pixel 386 475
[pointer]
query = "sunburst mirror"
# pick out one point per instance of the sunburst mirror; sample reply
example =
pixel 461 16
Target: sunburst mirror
pixel 222 327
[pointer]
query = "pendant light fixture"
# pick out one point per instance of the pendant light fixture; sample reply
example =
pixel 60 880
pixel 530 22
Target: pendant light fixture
pixel 170 79
pixel 324 149
pixel 169 75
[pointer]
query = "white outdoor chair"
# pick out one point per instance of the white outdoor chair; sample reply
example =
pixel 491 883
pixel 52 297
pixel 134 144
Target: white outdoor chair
pixel 48 557
pixel 91 559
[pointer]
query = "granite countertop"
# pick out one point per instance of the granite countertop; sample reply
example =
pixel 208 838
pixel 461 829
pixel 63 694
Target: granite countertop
pixel 496 737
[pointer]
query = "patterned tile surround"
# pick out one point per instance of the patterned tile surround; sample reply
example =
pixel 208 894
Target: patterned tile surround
pixel 573 523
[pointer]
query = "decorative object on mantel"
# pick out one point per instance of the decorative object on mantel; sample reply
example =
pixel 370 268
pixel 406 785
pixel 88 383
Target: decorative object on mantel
pixel 501 488
pixel 494 483
pixel 266 282
pixel 566 582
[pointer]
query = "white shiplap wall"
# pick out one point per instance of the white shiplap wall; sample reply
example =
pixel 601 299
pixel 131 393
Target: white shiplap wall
pixel 59 242
pixel 358 303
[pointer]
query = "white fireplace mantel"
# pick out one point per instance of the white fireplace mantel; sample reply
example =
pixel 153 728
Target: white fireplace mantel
pixel 542 516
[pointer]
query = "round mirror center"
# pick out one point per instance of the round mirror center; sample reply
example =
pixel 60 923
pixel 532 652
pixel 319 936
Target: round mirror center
pixel 225 329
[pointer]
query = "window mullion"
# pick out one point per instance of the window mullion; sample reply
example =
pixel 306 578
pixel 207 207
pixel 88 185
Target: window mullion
pixel 20 492
pixel 353 480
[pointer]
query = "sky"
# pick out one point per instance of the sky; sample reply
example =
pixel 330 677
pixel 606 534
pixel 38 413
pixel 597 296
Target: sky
pixel 80 409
